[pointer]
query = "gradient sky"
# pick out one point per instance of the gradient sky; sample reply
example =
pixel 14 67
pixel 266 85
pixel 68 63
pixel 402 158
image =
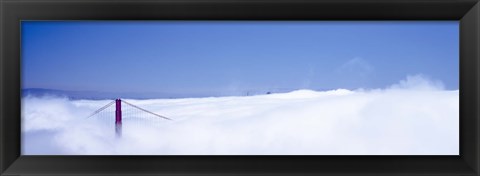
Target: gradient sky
pixel 235 56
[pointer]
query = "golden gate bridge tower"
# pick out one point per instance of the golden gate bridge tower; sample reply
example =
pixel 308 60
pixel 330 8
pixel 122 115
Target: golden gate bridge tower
pixel 118 117
pixel 131 115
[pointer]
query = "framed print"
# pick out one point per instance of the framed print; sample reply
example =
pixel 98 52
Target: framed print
pixel 230 87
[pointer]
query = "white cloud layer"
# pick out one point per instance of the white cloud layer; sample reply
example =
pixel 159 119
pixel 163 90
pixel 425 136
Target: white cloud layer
pixel 414 117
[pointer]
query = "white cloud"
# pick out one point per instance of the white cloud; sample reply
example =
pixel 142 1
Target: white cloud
pixel 414 117
pixel 356 66
pixel 419 82
pixel 355 72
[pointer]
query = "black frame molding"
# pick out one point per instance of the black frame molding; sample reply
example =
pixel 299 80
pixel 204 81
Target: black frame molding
pixel 13 11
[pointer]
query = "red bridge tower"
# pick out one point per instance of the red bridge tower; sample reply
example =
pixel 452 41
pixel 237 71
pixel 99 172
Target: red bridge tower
pixel 118 117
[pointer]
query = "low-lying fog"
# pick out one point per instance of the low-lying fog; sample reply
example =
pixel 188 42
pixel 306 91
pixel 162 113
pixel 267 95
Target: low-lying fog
pixel 417 116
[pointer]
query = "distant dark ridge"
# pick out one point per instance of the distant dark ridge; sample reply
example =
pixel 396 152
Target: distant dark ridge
pixel 95 95
pixel 39 92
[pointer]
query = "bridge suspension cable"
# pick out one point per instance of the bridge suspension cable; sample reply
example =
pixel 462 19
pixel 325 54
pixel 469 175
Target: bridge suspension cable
pixel 101 109
pixel 144 110
pixel 112 102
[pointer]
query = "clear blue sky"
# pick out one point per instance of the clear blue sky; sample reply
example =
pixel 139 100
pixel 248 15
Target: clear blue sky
pixel 230 57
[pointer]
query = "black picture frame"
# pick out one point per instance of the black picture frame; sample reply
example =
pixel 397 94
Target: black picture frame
pixel 13 11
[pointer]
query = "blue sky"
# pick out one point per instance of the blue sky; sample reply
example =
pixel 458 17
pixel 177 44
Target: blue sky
pixel 228 57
